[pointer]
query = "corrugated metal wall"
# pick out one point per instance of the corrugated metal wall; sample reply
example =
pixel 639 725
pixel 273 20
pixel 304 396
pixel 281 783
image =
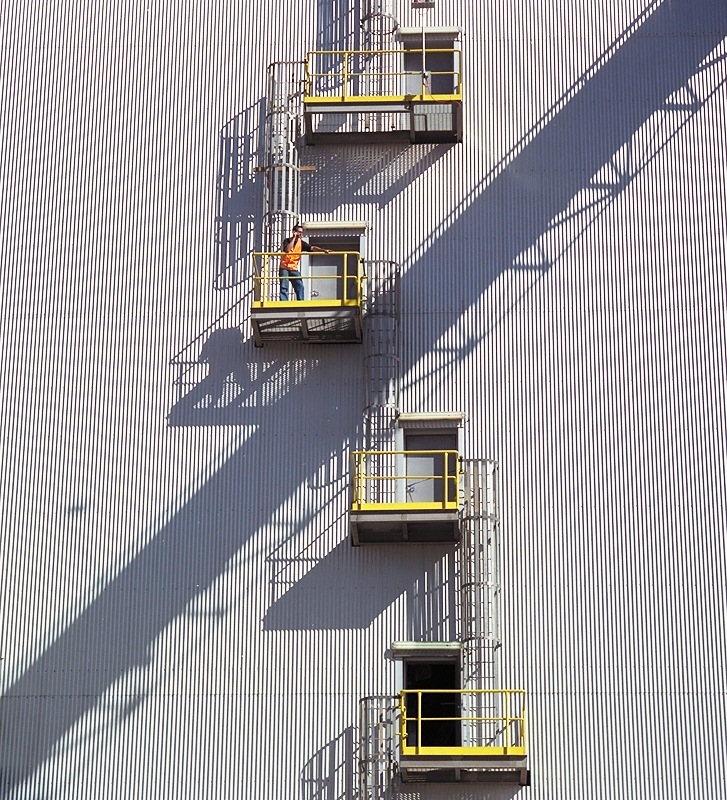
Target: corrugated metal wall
pixel 182 614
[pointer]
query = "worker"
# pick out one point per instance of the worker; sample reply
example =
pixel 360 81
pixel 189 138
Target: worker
pixel 290 262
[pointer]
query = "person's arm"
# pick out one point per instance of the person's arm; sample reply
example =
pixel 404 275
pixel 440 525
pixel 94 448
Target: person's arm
pixel 288 244
pixel 316 249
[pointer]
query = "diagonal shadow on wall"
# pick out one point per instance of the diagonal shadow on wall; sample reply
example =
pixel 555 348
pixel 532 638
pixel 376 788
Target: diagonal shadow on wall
pixel 511 209
pixel 115 634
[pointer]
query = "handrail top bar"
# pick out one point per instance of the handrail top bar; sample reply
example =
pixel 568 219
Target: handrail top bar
pixel 308 253
pixel 402 452
pixel 353 263
pixel 360 104
pixel 266 275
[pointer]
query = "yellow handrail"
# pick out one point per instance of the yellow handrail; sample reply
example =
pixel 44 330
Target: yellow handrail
pixel 366 484
pixel 345 76
pixel 266 279
pixel 490 734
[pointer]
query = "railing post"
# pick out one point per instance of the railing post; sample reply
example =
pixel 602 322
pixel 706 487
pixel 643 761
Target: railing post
pixel 345 74
pixel 268 271
pixel 356 479
pixel 507 720
pixel 402 720
pixel 264 279
pixel 419 721
pixel 359 478
pixel 446 479
pixel 344 278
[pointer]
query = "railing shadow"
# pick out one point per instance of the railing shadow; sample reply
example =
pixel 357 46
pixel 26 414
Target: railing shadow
pixel 353 606
pixel 366 174
pixel 331 773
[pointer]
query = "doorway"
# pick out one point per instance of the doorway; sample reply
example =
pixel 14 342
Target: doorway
pixel 425 471
pixel 333 276
pixel 440 709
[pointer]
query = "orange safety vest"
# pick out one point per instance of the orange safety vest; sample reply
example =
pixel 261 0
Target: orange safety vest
pixel 291 259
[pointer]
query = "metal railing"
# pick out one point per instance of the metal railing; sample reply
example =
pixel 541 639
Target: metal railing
pixel 344 288
pixel 370 76
pixel 490 722
pixel 382 481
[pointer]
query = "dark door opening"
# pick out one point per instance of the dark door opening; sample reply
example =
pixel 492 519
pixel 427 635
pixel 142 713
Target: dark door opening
pixel 438 708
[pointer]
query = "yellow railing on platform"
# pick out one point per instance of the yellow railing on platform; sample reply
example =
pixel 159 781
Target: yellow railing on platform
pixel 370 76
pixel 344 289
pixel 490 722
pixel 382 480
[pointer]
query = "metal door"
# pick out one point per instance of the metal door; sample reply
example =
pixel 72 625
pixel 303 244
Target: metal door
pixel 425 471
pixel 324 273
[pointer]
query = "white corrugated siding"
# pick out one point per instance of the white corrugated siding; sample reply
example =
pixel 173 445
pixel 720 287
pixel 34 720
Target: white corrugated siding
pixel 182 614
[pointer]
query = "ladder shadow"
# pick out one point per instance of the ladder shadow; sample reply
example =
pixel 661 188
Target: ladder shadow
pixel 338 24
pixel 239 197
